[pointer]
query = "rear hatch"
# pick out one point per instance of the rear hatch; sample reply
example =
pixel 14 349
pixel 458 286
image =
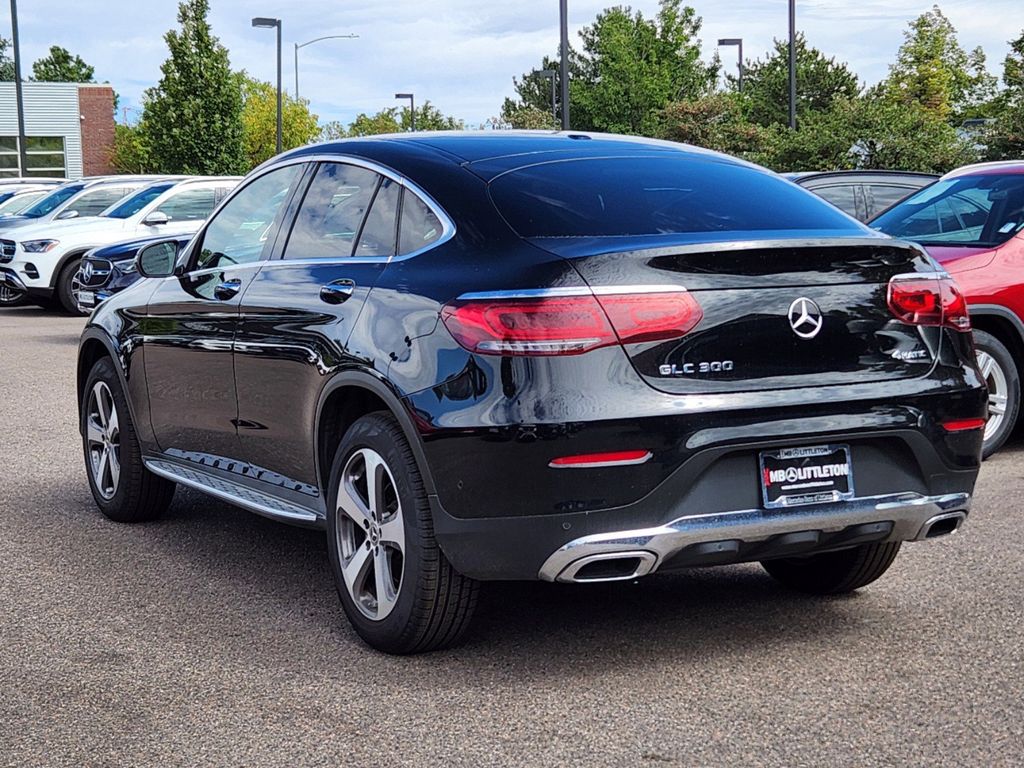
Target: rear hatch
pixel 775 314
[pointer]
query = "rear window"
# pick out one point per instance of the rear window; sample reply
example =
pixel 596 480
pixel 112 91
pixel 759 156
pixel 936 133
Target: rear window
pixel 655 195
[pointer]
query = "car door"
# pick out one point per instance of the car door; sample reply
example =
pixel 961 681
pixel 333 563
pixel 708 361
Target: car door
pixel 191 320
pixel 298 313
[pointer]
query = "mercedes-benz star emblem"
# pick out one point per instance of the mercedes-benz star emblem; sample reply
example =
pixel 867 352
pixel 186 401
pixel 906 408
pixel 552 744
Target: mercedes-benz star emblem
pixel 87 271
pixel 805 318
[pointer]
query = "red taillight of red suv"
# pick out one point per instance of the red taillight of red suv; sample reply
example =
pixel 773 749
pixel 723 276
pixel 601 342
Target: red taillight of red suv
pixel 921 300
pixel 569 324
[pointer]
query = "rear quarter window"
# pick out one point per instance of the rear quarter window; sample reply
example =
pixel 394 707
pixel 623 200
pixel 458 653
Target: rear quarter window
pixel 654 195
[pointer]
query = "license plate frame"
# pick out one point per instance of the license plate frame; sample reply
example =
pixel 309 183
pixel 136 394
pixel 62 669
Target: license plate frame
pixel 799 483
pixel 87 298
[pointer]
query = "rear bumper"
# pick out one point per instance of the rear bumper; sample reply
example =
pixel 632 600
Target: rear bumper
pixel 755 534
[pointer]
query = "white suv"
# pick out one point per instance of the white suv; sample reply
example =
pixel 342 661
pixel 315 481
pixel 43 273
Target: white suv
pixel 43 259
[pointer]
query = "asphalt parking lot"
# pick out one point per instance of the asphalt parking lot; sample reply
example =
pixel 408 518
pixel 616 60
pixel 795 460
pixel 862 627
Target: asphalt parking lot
pixel 214 637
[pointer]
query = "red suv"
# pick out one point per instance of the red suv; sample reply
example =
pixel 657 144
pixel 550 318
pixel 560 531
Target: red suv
pixel 972 222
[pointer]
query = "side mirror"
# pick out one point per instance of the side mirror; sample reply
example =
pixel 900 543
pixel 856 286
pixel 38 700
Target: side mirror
pixel 67 215
pixel 155 218
pixel 157 259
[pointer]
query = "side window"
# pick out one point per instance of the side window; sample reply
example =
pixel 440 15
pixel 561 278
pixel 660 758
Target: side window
pixel 91 203
pixel 882 196
pixel 843 197
pixel 190 205
pixel 240 232
pixel 420 227
pixel 381 227
pixel 332 212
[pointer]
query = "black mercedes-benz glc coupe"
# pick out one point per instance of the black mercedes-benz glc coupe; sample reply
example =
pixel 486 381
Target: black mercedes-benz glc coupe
pixel 556 356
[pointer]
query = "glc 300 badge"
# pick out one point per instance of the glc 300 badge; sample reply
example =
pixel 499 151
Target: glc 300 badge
pixel 805 318
pixel 690 369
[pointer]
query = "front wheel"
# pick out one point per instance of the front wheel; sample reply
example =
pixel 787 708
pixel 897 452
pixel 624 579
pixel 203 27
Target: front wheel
pixel 834 573
pixel 396 586
pixel 11 297
pixel 999 371
pixel 67 288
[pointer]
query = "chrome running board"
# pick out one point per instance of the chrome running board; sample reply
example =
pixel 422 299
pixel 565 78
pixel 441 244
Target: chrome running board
pixel 239 495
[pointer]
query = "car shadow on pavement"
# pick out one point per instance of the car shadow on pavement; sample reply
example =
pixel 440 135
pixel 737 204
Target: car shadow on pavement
pixel 549 629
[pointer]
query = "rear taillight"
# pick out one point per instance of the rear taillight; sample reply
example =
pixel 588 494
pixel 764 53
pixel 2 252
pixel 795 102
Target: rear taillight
pixel 922 300
pixel 568 324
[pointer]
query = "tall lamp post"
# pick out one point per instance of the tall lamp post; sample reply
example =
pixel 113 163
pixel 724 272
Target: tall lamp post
pixel 552 74
pixel 738 42
pixel 22 151
pixel 563 64
pixel 310 42
pixel 792 64
pixel 412 107
pixel 266 23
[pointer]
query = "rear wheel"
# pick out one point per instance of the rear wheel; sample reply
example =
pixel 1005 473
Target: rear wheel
pixel 396 586
pixel 1000 374
pixel 122 487
pixel 833 573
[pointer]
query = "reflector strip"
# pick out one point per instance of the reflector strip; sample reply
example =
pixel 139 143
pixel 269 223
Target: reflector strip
pixel 592 460
pixel 962 425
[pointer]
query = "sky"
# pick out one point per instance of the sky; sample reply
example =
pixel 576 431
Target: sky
pixel 459 54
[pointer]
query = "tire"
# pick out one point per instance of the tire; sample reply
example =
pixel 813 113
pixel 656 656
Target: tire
pixel 999 370
pixel 132 494
pixel 834 573
pixel 65 289
pixel 428 605
pixel 11 297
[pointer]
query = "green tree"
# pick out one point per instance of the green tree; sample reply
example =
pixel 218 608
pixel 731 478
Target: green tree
pixel 396 120
pixel 533 90
pixel 6 62
pixel 60 66
pixel 299 126
pixel 526 117
pixel 130 154
pixel 714 122
pixel 820 82
pixel 933 70
pixel 193 116
pixel 1006 138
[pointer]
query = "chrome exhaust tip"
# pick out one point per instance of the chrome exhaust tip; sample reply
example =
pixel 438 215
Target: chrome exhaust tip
pixel 609 566
pixel 941 525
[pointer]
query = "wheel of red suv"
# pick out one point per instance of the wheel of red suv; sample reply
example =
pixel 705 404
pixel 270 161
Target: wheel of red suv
pixel 11 297
pixel 1000 373
pixel 65 290
pixel 123 488
pixel 396 586
pixel 833 573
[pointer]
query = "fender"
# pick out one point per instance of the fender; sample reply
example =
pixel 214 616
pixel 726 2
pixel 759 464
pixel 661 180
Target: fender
pixel 995 310
pixel 379 386
pixel 98 333
pixel 75 254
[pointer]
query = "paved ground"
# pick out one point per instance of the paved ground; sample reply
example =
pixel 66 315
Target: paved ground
pixel 214 637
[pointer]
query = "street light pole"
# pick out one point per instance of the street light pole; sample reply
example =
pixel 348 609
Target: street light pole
pixel 18 96
pixel 738 42
pixel 792 64
pixel 563 64
pixel 267 23
pixel 552 74
pixel 310 42
pixel 412 108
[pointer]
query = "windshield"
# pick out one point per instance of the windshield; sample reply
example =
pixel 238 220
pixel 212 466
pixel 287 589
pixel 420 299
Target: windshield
pixel 52 200
pixel 135 203
pixel 18 203
pixel 666 194
pixel 979 211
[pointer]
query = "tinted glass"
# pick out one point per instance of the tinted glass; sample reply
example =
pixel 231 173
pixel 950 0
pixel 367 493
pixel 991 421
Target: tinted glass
pixel 136 202
pixel 92 202
pixel 18 203
pixel 381 227
pixel 240 232
pixel 420 227
pixel 843 197
pixel 884 195
pixel 332 212
pixel 189 205
pixel 646 195
pixel 981 211
pixel 51 201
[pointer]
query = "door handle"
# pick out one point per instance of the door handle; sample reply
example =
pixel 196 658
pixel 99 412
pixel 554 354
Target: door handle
pixel 227 289
pixel 337 292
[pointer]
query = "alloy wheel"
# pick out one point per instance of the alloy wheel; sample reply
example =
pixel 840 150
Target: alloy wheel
pixel 9 295
pixel 370 533
pixel 998 390
pixel 104 439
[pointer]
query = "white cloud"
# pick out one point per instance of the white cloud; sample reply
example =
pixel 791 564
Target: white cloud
pixel 461 54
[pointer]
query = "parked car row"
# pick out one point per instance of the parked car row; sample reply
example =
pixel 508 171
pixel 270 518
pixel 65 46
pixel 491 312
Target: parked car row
pixel 42 247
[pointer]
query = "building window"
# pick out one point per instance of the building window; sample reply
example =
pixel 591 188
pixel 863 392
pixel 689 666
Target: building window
pixel 44 155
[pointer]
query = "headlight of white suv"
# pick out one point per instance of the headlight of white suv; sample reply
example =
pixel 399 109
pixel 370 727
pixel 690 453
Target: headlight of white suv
pixel 39 246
